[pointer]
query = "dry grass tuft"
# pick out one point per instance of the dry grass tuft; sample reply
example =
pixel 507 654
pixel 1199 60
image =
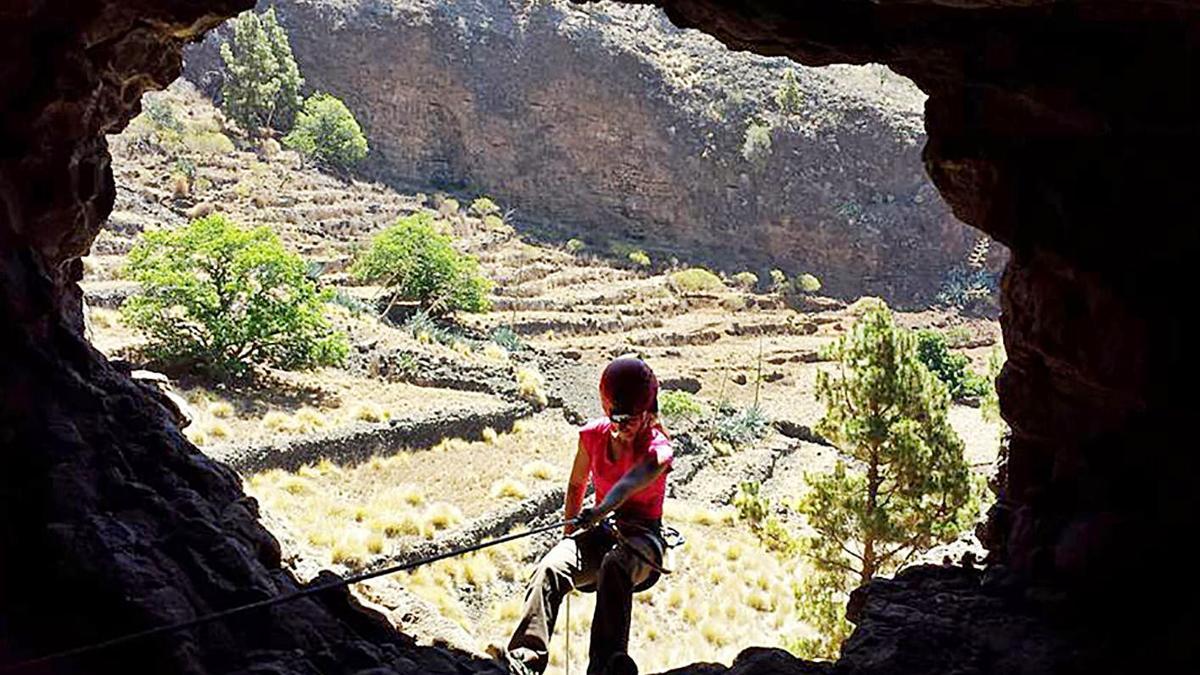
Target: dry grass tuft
pixel 441 516
pixel 531 387
pixel 494 352
pixel 369 412
pixel 217 430
pixel 508 488
pixel 540 469
pixel 220 409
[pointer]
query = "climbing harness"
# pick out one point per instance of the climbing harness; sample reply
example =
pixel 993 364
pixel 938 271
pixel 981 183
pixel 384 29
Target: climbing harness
pixel 671 538
pixel 270 602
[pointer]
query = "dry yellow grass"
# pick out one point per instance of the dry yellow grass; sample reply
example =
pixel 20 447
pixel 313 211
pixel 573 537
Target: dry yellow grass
pixel 508 488
pixel 217 430
pixel 540 469
pixel 494 352
pixel 531 387
pixel 220 409
pixel 369 412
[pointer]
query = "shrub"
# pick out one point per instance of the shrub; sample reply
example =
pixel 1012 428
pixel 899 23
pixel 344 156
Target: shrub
pixel 962 286
pixel 639 258
pixel 779 280
pixel 990 406
pixel 262 81
pixel 416 263
pixel 208 143
pixel 531 387
pixel 484 207
pixel 807 283
pixel 746 281
pixel 506 338
pixel 755 510
pixel 865 304
pixel 574 246
pixel 227 298
pixel 676 405
pixel 696 280
pixel 327 132
pixel 950 367
pixel 756 148
pixel 736 427
pixel 788 96
pixel 161 113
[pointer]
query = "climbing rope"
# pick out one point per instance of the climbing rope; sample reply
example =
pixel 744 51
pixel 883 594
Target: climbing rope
pixel 270 602
pixel 568 649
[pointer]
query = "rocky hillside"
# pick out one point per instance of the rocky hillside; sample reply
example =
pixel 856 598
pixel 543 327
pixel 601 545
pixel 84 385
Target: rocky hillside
pixel 610 124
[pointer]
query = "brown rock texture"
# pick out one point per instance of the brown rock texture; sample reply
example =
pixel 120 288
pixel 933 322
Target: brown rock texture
pixel 112 521
pixel 609 124
pixel 1067 130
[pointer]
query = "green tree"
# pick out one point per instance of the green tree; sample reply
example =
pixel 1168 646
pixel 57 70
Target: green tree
pixel 951 368
pixel 327 132
pixel 788 96
pixel 226 298
pixel 807 283
pixel 747 281
pixel 262 81
pixel 417 263
pixel 779 280
pixel 901 485
pixel 990 405
pixel 756 147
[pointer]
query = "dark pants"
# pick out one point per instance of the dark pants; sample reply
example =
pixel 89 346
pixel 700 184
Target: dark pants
pixel 589 559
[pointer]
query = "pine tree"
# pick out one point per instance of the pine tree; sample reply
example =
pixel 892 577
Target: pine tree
pixel 788 96
pixel 262 80
pixel 901 486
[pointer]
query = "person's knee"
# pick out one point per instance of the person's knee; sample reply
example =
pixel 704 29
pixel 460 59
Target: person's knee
pixel 553 572
pixel 615 562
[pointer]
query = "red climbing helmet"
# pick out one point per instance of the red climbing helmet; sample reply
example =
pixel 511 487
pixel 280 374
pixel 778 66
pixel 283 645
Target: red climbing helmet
pixel 628 387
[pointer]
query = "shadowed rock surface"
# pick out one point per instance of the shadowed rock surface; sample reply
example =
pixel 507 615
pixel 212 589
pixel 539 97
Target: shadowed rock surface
pixel 1067 130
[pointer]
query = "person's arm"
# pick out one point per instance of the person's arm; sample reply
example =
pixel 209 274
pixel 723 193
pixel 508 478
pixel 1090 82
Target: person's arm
pixel 576 487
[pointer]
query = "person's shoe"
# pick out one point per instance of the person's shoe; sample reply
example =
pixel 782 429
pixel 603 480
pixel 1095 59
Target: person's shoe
pixel 620 664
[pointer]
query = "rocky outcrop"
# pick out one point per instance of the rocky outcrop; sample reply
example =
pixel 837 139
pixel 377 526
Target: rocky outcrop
pixel 1068 131
pixel 608 123
pixel 112 521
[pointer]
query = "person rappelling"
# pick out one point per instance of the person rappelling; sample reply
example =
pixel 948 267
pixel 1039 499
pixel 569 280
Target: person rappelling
pixel 626 456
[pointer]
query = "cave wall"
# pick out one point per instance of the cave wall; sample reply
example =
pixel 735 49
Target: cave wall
pixel 1067 130
pixel 111 521
pixel 611 125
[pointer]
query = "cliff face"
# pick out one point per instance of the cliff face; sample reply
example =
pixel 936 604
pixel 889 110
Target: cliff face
pixel 608 123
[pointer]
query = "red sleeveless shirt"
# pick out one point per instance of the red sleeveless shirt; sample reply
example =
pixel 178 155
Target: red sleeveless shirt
pixel 645 504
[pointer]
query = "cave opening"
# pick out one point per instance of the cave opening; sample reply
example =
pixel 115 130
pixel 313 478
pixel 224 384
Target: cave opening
pixel 132 524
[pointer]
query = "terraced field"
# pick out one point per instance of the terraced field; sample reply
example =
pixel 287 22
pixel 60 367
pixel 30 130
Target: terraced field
pixel 424 442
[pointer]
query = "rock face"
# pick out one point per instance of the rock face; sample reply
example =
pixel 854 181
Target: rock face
pixel 609 124
pixel 1068 131
pixel 112 521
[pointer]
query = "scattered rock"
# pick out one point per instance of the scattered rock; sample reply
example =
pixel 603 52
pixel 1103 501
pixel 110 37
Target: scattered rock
pixel 680 383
